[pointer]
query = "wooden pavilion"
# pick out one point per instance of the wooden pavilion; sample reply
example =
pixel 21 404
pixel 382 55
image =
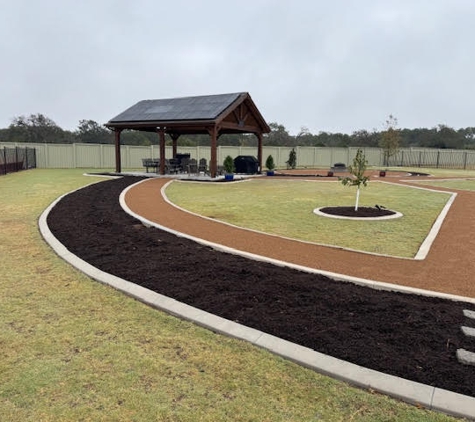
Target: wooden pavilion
pixel 211 114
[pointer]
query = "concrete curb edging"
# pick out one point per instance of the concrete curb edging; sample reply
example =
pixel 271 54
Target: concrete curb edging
pixel 427 243
pixel 432 398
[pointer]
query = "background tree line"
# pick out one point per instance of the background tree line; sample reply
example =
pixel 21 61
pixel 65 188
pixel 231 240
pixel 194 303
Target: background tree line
pixel 39 128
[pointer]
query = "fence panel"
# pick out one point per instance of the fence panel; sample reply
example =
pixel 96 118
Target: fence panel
pixel 469 160
pixel 373 155
pixel 135 155
pixel 197 152
pixel 339 155
pixel 305 156
pixel 275 152
pixel 284 153
pixel 16 159
pixel 59 156
pixel 102 156
pixel 323 157
pixel 87 155
pixel 233 151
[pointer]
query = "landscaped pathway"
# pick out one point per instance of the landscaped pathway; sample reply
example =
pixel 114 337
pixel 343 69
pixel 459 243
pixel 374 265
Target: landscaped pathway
pixel 449 266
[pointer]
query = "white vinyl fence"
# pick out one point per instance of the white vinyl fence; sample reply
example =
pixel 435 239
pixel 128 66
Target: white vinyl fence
pixel 102 156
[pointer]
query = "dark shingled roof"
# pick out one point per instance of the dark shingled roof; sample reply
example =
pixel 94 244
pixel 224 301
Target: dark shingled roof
pixel 206 107
pixel 207 114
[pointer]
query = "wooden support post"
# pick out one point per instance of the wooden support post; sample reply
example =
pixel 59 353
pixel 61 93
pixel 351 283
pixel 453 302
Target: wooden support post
pixel 161 134
pixel 213 164
pixel 118 165
pixel 174 137
pixel 259 150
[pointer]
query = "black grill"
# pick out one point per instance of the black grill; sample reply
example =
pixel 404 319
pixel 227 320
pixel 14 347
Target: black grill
pixel 246 164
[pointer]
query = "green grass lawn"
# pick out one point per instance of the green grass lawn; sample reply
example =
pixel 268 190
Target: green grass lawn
pixel 437 172
pixel 462 184
pixel 285 208
pixel 72 349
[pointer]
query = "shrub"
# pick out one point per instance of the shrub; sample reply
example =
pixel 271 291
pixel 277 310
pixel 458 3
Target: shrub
pixel 228 164
pixel 270 165
pixel 292 161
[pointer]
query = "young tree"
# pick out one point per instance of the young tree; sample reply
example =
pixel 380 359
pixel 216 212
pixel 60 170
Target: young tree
pixel 292 161
pixel 357 170
pixel 390 139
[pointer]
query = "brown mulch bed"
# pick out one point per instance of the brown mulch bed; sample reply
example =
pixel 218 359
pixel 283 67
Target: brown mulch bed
pixel 409 336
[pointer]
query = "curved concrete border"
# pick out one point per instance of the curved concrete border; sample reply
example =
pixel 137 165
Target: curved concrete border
pixel 430 397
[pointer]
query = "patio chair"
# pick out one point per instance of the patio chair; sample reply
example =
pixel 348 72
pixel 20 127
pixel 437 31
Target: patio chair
pixel 184 161
pixel 171 166
pixel 203 166
pixel 192 166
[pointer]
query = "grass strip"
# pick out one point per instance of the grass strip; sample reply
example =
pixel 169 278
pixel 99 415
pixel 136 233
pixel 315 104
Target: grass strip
pixel 459 184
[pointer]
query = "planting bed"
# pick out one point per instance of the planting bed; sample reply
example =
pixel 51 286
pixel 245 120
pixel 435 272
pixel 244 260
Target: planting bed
pixel 362 212
pixel 410 336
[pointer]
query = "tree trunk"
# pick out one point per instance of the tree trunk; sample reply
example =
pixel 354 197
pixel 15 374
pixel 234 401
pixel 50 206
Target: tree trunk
pixel 357 198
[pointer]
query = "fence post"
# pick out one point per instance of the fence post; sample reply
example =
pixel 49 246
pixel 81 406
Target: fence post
pixel 465 160
pixel 46 150
pixel 438 159
pixel 5 159
pixel 73 155
pixel 17 167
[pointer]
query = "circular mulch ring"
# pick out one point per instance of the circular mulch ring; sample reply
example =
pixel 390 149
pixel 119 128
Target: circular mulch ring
pixel 363 213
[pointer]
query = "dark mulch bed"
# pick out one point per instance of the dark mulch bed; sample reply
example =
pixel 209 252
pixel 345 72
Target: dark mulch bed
pixel 362 212
pixel 405 335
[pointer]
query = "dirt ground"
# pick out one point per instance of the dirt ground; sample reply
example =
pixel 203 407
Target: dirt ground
pixel 410 336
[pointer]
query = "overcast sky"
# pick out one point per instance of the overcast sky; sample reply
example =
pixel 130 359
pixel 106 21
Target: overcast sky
pixel 335 66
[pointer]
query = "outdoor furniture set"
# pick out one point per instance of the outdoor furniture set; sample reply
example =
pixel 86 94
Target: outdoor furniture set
pixel 182 164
